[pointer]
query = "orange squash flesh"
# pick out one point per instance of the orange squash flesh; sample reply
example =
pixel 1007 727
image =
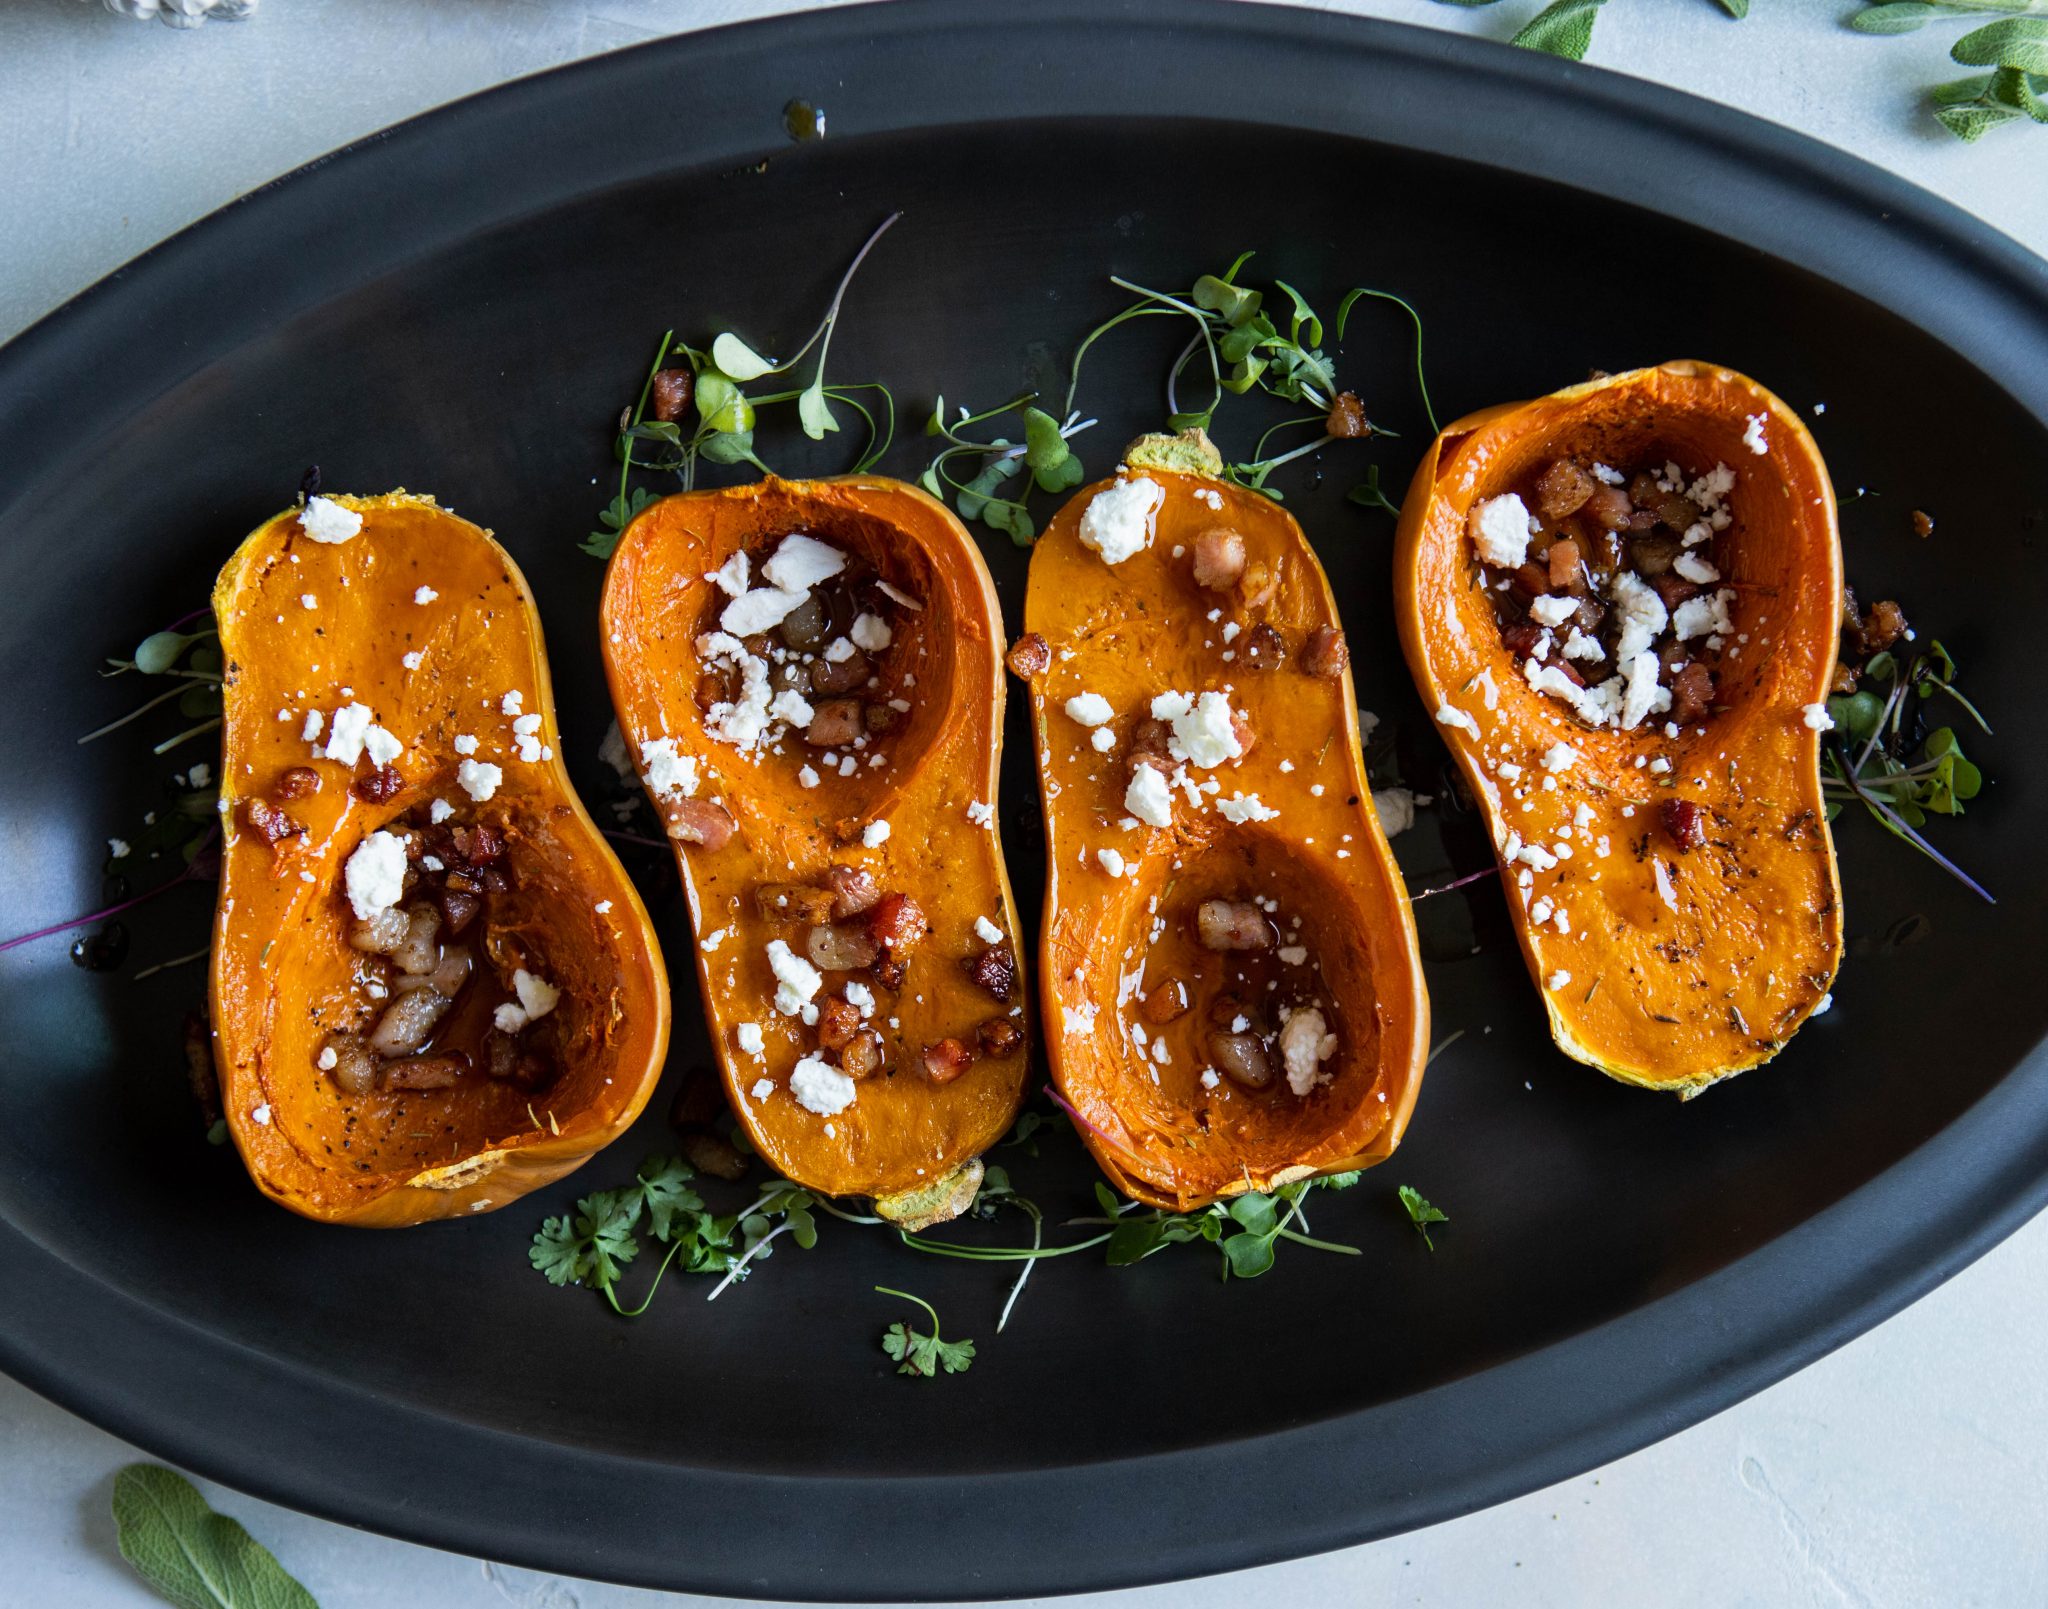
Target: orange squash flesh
pixel 282 969
pixel 1666 992
pixel 904 1134
pixel 1159 1131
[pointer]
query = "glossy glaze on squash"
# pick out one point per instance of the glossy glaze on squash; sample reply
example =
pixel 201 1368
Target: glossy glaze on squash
pixel 1682 965
pixel 904 1137
pixel 309 626
pixel 1171 1131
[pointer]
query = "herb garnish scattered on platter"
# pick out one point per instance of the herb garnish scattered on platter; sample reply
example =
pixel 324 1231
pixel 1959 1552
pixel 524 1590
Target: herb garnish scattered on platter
pixel 2015 48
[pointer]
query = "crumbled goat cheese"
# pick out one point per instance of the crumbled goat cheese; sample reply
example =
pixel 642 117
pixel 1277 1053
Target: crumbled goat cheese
pixel 424 595
pixel 987 931
pixel 1111 861
pixel 439 811
pixel 1552 609
pixel 981 813
pixel 871 633
pixel 1642 615
pixel 117 849
pixel 1243 807
pixel 479 778
pixel 800 562
pixel 1696 569
pixel 757 611
pixel 860 996
pixel 512 702
pixel 1557 980
pixel 1202 730
pixel 1451 715
pixel 1396 809
pixel 1558 757
pixel 325 520
pixel 808 777
pixel 731 577
pixel 1500 530
pixel 820 1087
pixel 763 1088
pixel 1707 614
pixel 875 834
pixel 796 980
pixel 345 735
pixel 748 1035
pixel 1609 477
pixel 374 877
pixel 1753 435
pixel 311 730
pixel 1148 797
pixel 1817 718
pixel 838 651
pixel 537 996
pixel 667 771
pixel 381 746
pixel 327 1059
pixel 1089 709
pixel 412 660
pixel 308 601
pixel 1826 1003
pixel 1102 740
pixel 1118 519
pixel 465 743
pixel 1577 645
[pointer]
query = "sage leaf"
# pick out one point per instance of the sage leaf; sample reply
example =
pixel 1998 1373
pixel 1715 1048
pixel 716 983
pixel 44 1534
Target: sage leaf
pixel 193 1557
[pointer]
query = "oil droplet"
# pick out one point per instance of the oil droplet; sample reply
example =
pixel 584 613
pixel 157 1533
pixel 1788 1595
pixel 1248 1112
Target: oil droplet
pixel 803 121
pixel 101 951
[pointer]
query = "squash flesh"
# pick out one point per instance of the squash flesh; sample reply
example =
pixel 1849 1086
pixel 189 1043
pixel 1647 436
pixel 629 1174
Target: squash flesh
pixel 1129 632
pixel 903 1132
pixel 1677 991
pixel 283 975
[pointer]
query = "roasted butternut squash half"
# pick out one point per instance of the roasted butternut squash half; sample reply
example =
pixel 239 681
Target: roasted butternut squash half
pixel 808 677
pixel 1230 984
pixel 433 986
pixel 1622 602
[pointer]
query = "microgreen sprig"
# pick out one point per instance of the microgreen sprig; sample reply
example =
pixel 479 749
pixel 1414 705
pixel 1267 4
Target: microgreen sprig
pixel 719 425
pixel 1044 451
pixel 1877 757
pixel 1420 1212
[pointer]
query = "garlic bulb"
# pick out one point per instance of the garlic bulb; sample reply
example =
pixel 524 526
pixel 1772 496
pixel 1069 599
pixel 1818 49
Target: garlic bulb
pixel 182 13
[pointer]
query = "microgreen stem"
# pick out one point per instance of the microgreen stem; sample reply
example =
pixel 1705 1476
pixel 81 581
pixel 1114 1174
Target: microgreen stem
pixel 1895 823
pixel 175 961
pixel 890 1290
pixel 1444 1045
pixel 1456 882
pixel 1319 1245
pixel 186 736
pixel 632 838
pixel 739 1267
pixel 1421 381
pixel 164 697
pixel 191 873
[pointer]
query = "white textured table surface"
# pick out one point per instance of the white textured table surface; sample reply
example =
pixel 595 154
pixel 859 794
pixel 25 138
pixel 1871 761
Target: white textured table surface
pixel 1909 1468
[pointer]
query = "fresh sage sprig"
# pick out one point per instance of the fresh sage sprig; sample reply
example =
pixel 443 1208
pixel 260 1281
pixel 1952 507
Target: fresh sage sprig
pixel 192 1556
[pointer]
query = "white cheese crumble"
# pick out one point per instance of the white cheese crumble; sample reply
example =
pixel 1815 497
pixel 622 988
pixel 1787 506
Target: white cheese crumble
pixel 308 601
pixel 748 1035
pixel 439 811
pixel 537 996
pixel 820 1087
pixel 807 776
pixel 412 660
pixel 796 980
pixel 1552 609
pixel 1451 715
pixel 381 746
pixel 1559 757
pixel 1641 613
pixel 374 877
pixel 1110 860
pixel 1753 435
pixel 1118 519
pixel 325 520
pixel 1704 615
pixel 1665 891
pixel 763 1088
pixel 117 849
pixel 327 1059
pixel 981 813
pixel 1202 730
pixel 871 633
pixel 1089 709
pixel 800 562
pixel 1557 980
pixel 479 778
pixel 987 931
pixel 1396 809
pixel 757 611
pixel 465 743
pixel 1817 718
pixel 1500 530
pixel 1102 740
pixel 424 595
pixel 261 1114
pixel 345 735
pixel 731 576
pixel 875 834
pixel 1148 798
pixel 1243 807
pixel 668 773
pixel 1695 569
pixel 311 730
pixel 1577 645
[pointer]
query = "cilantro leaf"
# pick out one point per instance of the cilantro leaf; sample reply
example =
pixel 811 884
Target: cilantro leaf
pixel 194 1557
pixel 613 520
pixel 1421 1213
